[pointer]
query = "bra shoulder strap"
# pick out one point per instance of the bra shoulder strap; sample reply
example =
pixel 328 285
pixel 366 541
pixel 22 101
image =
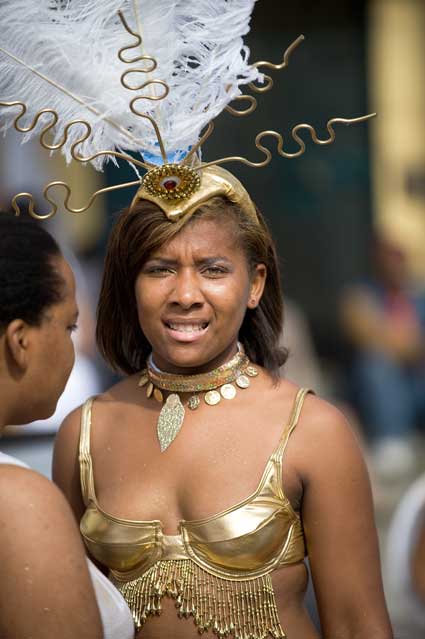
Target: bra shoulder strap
pixel 86 464
pixel 293 421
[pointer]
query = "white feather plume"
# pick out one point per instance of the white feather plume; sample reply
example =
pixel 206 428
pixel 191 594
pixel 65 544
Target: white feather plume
pixel 74 43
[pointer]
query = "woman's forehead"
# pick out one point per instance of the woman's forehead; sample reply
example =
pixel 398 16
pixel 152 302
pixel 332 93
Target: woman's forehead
pixel 206 237
pixel 67 275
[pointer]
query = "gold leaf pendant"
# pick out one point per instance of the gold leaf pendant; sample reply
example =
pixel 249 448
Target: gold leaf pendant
pixel 170 421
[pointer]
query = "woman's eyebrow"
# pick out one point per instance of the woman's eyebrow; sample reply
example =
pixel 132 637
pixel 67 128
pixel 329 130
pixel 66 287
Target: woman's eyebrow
pixel 161 260
pixel 207 261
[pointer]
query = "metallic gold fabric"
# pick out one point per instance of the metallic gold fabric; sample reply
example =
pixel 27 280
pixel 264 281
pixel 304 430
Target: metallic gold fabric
pixel 241 545
pixel 214 181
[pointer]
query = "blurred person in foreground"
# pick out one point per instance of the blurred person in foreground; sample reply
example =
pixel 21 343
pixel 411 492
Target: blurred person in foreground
pixel 45 590
pixel 405 555
pixel 383 319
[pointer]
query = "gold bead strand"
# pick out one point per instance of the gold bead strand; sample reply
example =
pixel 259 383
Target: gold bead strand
pixel 259 602
pixel 205 600
pixel 275 622
pixel 239 621
pixel 189 587
pixel 184 594
pixel 210 601
pixel 220 606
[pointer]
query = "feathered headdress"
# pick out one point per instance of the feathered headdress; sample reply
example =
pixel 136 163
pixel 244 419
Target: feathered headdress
pixel 137 80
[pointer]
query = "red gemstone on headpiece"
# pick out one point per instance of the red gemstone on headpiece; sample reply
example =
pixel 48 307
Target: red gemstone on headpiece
pixel 169 184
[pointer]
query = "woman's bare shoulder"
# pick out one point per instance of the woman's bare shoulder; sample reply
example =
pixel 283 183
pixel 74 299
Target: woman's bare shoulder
pixel 321 415
pixel 16 472
pixel 114 403
pixel 316 413
pixel 324 437
pixel 29 498
pixel 39 546
pixel 125 390
pixel 104 407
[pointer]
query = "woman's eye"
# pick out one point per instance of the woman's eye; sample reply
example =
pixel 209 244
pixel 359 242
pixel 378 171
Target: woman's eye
pixel 72 328
pixel 215 270
pixel 159 270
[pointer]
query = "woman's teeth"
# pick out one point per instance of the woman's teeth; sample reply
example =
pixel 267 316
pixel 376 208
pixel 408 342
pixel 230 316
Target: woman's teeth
pixel 187 328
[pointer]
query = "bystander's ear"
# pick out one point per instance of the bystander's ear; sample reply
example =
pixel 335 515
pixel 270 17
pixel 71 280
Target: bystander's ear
pixel 17 342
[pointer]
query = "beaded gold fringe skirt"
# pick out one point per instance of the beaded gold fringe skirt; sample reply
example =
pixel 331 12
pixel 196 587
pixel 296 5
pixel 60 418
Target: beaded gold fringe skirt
pixel 238 609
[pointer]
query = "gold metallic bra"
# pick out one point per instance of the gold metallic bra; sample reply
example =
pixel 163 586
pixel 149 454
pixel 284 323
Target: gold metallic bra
pixel 218 568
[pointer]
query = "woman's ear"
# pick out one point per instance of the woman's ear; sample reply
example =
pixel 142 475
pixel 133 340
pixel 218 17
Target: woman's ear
pixel 258 281
pixel 17 342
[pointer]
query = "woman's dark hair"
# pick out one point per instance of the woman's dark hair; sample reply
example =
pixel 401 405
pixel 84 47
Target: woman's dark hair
pixel 29 282
pixel 142 230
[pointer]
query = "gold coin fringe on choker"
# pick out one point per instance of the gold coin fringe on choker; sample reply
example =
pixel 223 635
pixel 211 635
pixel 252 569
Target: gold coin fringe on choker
pixel 217 384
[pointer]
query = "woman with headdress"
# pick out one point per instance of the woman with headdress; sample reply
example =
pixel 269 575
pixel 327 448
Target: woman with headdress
pixel 201 480
pixel 204 477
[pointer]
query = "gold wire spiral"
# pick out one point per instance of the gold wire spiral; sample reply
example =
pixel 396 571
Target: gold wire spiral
pixel 48 128
pixel 144 85
pixel 252 105
pixel 268 81
pixel 295 136
pixel 54 206
pixel 275 67
pixel 54 118
pixel 204 137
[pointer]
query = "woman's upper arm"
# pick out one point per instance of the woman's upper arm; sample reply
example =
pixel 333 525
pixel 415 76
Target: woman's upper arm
pixel 66 467
pixel 45 583
pixel 340 530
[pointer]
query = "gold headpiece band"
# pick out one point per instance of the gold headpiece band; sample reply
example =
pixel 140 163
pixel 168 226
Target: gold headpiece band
pixel 214 181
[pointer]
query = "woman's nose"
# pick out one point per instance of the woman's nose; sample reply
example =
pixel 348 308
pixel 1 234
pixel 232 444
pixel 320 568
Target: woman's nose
pixel 187 291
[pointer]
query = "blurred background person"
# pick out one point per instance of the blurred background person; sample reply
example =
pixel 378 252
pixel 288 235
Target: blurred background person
pixel 383 318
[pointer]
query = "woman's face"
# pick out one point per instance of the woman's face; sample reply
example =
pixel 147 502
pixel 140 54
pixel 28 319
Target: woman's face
pixel 192 295
pixel 52 348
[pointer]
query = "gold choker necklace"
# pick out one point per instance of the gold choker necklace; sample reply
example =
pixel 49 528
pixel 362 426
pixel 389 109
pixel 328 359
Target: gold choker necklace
pixel 222 382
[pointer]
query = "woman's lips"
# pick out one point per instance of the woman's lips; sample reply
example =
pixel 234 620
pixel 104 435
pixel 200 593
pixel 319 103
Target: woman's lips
pixel 186 331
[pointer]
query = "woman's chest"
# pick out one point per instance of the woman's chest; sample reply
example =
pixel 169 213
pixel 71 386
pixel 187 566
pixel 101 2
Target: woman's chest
pixel 196 482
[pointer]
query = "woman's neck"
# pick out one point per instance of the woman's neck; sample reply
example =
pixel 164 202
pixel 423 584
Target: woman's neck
pixel 162 365
pixel 4 416
pixel 11 402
